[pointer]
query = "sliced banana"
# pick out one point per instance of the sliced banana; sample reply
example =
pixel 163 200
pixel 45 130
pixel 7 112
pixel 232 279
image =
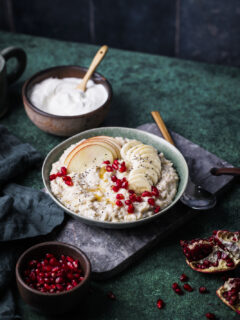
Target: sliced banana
pixel 152 159
pixel 147 173
pixel 128 146
pixel 140 184
pixel 147 165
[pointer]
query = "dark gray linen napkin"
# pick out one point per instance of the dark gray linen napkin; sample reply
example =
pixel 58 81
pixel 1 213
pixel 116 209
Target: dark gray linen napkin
pixel 24 213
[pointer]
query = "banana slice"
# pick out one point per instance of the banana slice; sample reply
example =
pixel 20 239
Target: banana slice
pixel 140 184
pixel 147 173
pixel 152 159
pixel 146 149
pixel 128 146
pixel 147 165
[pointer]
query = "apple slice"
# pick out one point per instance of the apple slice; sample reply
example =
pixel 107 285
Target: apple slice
pixel 96 140
pixel 88 156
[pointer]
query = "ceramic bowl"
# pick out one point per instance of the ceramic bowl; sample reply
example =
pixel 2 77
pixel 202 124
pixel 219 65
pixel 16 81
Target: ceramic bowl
pixel 52 303
pixel 160 144
pixel 65 125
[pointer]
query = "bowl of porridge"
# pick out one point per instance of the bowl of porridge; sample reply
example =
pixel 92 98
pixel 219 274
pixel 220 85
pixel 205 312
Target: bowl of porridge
pixel 115 177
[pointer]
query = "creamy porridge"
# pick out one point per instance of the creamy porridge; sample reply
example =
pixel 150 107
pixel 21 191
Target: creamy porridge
pixel 113 179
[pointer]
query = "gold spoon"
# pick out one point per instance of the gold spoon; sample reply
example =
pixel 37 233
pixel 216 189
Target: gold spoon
pixel 95 62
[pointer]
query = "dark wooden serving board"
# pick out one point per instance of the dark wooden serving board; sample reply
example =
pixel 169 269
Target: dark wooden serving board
pixel 110 251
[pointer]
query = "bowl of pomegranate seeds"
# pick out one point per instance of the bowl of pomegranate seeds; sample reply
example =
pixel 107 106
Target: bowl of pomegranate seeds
pixel 53 276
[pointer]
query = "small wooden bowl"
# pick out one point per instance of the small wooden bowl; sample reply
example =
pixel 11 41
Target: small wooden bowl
pixel 65 125
pixel 52 303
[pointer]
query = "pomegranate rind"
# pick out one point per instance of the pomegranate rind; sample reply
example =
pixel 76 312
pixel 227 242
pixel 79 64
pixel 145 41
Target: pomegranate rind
pixel 219 293
pixel 231 242
pixel 193 249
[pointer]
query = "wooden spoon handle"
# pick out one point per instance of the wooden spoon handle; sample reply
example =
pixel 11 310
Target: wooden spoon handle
pixel 96 60
pixel 162 127
pixel 225 171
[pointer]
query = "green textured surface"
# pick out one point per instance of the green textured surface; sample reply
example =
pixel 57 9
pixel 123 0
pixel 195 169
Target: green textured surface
pixel 200 102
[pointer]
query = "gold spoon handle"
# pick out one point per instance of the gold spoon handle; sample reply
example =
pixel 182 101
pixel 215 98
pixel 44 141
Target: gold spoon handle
pixel 96 60
pixel 162 127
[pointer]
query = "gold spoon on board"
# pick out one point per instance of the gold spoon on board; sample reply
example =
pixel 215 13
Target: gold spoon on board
pixel 194 196
pixel 94 64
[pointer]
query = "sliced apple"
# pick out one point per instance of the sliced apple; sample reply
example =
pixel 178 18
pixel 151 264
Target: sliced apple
pixel 108 143
pixel 88 156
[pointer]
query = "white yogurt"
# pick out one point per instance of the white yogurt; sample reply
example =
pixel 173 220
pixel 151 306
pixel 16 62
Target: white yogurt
pixel 61 97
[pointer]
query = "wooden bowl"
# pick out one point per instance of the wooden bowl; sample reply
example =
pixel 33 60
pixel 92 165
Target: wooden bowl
pixel 65 125
pixel 52 303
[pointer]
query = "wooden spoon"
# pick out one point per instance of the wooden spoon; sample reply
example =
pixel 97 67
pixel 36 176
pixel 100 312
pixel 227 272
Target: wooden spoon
pixel 161 125
pixel 96 60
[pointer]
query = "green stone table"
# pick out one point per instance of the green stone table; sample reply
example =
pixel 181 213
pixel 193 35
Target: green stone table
pixel 197 100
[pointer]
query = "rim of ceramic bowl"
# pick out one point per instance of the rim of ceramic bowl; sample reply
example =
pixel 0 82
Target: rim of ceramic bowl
pixel 96 75
pixel 108 224
pixel 45 244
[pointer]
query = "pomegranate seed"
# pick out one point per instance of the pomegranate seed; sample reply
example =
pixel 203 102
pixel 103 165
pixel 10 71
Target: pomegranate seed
pixel 187 287
pixel 119 203
pixel 127 202
pixel 130 208
pixel 160 304
pixel 132 197
pixel 155 191
pixel 203 290
pixel 139 199
pixel 75 264
pixel 32 263
pixel 214 232
pixel 49 255
pixel 53 261
pixel 157 209
pixel 111 295
pixel 113 178
pixel 146 194
pixel 131 192
pixel 115 161
pixel 115 188
pixel 74 283
pixel 64 171
pixel 115 166
pixel 178 291
pixel 52 177
pixel 125 184
pixel 119 183
pixel 59 174
pixel 69 183
pixel 210 316
pixel 175 286
pixel 183 278
pixel 67 178
pixel 120 196
pixel 69 259
pixel 106 162
pixel 70 265
pixel 70 276
pixel 151 201
pixel 122 168
pixel 69 287
pixel 109 168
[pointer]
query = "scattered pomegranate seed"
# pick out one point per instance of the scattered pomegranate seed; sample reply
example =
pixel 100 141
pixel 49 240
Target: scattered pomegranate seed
pixel 133 197
pixel 130 208
pixel 160 304
pixel 69 183
pixel 183 278
pixel 139 199
pixel 119 183
pixel 210 316
pixel 127 202
pixel 146 194
pixel 59 174
pixel 151 201
pixel 119 203
pixel 155 191
pixel 176 289
pixel 109 168
pixel 203 290
pixel 111 295
pixel 52 177
pixel 187 287
pixel 67 178
pixel 157 209
pixel 113 178
pixel 125 184
pixel 115 161
pixel 115 188
pixel 120 196
pixel 53 275
pixel 64 170
pixel 106 162
pixel 115 166
pixel 175 286
pixel 131 192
